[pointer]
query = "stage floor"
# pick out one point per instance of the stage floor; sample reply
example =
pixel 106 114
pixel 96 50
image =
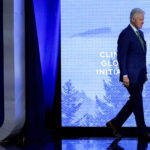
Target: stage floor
pixel 81 144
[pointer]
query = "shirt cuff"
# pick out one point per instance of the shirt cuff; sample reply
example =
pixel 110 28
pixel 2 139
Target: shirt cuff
pixel 125 75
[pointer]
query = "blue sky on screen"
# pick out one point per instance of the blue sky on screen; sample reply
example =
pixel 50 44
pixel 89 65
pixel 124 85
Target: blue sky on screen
pixel 82 15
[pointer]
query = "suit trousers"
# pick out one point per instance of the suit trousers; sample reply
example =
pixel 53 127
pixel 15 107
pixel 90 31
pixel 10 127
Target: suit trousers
pixel 135 105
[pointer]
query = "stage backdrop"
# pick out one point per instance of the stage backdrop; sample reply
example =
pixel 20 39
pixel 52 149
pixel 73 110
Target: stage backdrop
pixel 91 93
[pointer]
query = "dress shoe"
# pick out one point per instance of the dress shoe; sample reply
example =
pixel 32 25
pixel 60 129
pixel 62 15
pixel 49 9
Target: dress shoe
pixel 114 145
pixel 114 130
pixel 144 137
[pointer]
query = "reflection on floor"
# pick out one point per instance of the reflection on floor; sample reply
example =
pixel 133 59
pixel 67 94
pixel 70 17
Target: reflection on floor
pixel 104 144
pixel 81 144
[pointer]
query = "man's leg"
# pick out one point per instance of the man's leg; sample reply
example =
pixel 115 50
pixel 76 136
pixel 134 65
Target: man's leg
pixel 124 113
pixel 121 117
pixel 136 92
pixel 135 105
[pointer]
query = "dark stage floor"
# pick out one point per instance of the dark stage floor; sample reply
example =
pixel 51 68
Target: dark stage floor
pixel 81 144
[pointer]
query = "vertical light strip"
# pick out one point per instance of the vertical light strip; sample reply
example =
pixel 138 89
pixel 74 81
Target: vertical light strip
pixel 13 53
pixel 19 60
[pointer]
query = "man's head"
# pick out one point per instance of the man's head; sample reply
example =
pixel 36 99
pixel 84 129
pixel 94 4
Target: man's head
pixel 137 17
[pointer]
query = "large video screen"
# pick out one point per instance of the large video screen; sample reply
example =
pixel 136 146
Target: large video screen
pixel 91 93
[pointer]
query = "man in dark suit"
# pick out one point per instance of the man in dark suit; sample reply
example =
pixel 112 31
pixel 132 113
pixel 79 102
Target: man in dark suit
pixel 132 64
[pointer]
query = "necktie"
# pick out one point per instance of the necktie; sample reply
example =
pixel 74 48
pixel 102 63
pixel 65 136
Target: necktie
pixel 141 40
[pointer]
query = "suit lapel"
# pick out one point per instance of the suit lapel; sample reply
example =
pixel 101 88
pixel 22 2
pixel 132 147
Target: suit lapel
pixel 135 37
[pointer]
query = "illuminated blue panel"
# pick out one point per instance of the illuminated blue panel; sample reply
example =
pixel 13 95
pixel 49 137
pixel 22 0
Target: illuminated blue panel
pixel 47 17
pixel 91 92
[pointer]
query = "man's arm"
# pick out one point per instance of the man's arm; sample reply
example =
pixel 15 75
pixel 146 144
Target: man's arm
pixel 123 44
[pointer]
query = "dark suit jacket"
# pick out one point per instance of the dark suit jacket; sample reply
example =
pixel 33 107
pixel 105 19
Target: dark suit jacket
pixel 131 56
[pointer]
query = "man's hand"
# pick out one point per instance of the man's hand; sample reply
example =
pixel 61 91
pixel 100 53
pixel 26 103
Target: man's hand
pixel 126 81
pixel 146 78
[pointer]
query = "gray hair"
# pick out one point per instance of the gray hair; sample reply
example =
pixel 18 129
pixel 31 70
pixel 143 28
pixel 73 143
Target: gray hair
pixel 135 13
